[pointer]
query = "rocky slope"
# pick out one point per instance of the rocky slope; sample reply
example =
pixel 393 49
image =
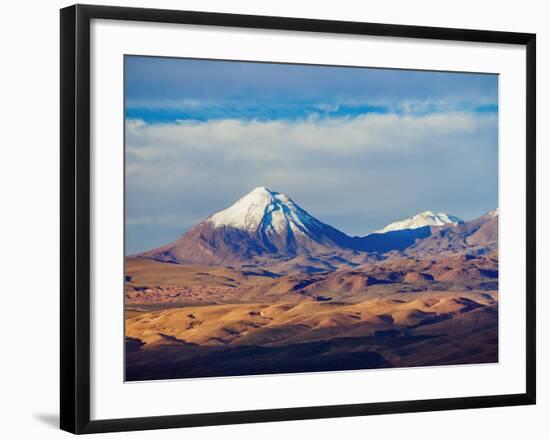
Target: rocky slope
pixel 479 236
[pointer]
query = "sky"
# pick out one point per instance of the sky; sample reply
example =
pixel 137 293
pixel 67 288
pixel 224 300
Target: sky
pixel 356 147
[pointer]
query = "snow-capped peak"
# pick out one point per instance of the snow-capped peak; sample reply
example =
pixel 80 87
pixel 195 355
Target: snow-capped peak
pixel 262 208
pixel 426 218
pixel 493 213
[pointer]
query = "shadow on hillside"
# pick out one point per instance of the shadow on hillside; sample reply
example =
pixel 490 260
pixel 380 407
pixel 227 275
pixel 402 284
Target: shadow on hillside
pixel 396 240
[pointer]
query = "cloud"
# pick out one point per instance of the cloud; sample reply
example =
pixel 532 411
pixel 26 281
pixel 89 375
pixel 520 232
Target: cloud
pixel 167 89
pixel 356 173
pixel 276 140
pixel 180 79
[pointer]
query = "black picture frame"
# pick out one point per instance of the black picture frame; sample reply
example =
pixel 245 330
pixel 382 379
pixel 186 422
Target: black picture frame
pixel 75 217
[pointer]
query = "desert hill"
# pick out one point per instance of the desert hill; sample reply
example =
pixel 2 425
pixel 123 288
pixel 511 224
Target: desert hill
pixel 223 340
pixel 150 281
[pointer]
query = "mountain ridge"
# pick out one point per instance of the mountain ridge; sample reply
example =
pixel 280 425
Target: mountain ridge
pixel 265 226
pixel 422 219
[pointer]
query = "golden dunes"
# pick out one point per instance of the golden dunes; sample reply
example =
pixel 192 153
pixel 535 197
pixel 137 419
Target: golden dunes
pixel 283 323
pixel 186 321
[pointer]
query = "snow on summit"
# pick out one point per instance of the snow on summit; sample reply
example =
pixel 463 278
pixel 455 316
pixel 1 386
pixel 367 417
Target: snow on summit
pixel 262 208
pixel 266 225
pixel 427 218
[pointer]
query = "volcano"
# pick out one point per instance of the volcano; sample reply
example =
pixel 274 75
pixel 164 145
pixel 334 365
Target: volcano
pixel 266 226
pixel 263 223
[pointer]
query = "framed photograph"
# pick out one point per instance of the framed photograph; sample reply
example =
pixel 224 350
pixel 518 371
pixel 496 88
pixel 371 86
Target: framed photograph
pixel 269 219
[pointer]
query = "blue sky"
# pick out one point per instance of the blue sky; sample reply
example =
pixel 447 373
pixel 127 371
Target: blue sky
pixel 356 147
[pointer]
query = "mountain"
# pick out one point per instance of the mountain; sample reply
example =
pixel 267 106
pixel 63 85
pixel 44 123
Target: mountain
pixel 400 235
pixel 268 228
pixel 423 219
pixel 479 236
pixel 263 223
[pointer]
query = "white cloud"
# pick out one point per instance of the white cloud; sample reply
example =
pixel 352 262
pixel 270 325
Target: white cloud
pixel 268 140
pixel 352 172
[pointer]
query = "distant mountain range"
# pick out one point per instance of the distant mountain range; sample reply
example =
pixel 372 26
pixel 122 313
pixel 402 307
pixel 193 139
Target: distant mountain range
pixel 423 219
pixel 269 226
pixel 479 236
